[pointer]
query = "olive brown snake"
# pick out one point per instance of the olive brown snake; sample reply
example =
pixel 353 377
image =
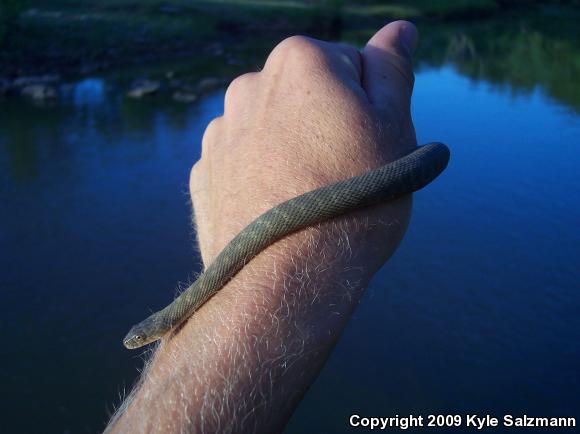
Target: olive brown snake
pixel 396 179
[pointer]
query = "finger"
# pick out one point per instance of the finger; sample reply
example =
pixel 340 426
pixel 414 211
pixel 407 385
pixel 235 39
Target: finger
pixel 387 67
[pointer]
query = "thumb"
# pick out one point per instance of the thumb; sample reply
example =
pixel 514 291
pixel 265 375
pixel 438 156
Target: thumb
pixel 387 72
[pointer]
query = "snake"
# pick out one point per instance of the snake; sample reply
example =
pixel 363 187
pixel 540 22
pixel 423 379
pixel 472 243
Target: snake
pixel 387 183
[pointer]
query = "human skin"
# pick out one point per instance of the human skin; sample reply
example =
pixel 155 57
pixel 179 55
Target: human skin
pixel 315 114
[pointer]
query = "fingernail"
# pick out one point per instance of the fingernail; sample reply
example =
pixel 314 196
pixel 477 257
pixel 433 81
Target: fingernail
pixel 408 36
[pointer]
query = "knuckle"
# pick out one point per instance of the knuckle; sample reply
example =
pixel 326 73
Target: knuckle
pixel 209 135
pixel 212 127
pixel 194 173
pixel 236 86
pixel 293 43
pixel 298 49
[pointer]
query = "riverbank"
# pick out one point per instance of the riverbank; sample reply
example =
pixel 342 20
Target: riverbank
pixel 174 49
pixel 67 37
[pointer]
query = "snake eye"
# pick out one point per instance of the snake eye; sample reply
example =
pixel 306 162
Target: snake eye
pixel 138 337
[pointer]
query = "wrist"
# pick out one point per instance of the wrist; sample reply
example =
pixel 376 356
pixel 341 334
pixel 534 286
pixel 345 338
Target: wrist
pixel 270 329
pixel 320 272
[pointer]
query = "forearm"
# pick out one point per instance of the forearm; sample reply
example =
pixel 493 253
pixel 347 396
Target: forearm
pixel 317 113
pixel 243 361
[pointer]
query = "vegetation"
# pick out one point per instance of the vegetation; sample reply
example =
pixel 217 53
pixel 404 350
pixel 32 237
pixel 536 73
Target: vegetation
pixel 104 27
pixel 520 42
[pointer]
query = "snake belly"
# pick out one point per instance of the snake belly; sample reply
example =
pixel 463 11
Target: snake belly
pixel 396 179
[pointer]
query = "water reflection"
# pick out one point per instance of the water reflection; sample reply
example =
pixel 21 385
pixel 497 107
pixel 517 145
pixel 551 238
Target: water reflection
pixel 523 50
pixel 87 116
pixel 89 92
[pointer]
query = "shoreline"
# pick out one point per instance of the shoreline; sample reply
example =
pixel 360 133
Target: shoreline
pixel 518 47
pixel 73 42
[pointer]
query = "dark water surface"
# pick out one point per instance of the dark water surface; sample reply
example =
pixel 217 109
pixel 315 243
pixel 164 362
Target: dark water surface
pixel 479 311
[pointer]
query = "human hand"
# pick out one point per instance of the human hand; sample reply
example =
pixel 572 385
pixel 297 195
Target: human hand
pixel 317 113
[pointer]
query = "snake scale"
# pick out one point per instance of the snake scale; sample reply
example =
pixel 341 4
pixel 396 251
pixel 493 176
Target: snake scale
pixel 396 179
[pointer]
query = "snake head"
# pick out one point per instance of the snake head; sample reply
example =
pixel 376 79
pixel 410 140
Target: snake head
pixel 139 335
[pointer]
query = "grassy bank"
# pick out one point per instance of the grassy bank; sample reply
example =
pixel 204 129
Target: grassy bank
pixel 70 36
pixel 518 43
pixel 73 36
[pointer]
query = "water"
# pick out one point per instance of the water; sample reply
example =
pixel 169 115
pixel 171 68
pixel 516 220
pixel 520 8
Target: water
pixel 477 312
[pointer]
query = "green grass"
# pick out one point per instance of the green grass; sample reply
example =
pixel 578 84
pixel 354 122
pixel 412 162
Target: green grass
pixel 484 40
pixel 67 35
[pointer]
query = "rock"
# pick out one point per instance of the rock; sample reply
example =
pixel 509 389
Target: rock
pixel 39 92
pixel 141 88
pixel 184 96
pixel 33 13
pixel 39 79
pixel 209 83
